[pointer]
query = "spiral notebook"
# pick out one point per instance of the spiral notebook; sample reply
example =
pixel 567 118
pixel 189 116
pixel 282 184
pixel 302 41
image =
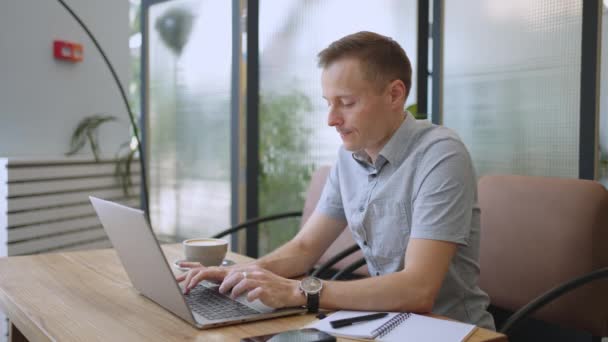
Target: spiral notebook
pixel 397 327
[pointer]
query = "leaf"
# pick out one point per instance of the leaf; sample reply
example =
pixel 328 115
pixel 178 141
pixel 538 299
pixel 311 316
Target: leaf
pixel 128 168
pixel 122 170
pixel 86 130
pixel 79 136
pixel 96 121
pixel 413 108
pixel 93 143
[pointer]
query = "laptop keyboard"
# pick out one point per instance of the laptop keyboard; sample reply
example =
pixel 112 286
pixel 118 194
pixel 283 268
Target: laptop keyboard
pixel 212 305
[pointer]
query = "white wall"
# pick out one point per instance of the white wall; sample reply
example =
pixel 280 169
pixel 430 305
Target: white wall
pixel 43 99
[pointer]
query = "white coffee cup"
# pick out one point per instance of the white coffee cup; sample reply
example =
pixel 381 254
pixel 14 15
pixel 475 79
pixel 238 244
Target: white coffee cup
pixel 207 251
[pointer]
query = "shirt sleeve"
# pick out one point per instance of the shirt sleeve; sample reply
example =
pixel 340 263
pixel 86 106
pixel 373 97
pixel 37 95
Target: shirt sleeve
pixel 447 192
pixel 330 202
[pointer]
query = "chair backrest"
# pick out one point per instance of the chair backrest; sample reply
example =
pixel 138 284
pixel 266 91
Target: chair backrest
pixel 538 232
pixel 345 240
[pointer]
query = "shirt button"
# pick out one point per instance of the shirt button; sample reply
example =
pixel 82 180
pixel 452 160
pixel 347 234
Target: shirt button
pixel 377 273
pixel 373 175
pixel 365 243
pixel 361 209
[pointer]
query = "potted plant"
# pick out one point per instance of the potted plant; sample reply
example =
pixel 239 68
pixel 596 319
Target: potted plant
pixel 87 131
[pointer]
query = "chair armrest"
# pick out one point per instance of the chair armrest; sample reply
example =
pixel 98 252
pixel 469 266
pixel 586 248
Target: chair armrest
pixel 255 221
pixel 549 296
pixel 339 256
pixel 349 269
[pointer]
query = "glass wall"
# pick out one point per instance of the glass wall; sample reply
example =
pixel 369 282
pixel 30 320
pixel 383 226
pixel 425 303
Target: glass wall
pixel 512 83
pixel 188 133
pixel 294 136
pixel 603 129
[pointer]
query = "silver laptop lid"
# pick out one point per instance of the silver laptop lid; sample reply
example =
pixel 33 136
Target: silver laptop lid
pixel 141 256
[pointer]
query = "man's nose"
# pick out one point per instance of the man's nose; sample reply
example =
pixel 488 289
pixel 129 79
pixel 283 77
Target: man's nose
pixel 334 118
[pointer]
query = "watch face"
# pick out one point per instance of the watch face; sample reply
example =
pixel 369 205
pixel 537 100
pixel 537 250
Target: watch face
pixel 311 284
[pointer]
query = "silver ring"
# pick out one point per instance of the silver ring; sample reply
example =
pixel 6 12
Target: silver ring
pixel 244 274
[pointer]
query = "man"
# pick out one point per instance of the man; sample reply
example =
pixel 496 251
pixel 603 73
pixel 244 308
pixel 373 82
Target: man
pixel 407 190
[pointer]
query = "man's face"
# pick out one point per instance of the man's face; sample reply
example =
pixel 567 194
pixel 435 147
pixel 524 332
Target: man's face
pixel 357 108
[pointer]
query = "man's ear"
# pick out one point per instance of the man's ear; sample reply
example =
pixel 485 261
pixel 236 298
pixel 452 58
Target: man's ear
pixel 397 93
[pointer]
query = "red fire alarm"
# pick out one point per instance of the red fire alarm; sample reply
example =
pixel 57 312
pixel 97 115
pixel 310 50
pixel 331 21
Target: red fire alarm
pixel 67 51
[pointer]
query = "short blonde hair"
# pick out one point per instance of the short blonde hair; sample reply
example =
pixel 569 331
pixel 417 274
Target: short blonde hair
pixel 382 59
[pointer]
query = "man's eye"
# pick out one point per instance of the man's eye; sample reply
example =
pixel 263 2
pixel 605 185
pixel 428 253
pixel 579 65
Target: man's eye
pixel 347 104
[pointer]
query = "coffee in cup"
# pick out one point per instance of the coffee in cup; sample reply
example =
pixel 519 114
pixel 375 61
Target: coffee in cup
pixel 207 251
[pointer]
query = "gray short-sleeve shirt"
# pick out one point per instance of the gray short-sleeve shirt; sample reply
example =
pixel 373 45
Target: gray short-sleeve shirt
pixel 421 186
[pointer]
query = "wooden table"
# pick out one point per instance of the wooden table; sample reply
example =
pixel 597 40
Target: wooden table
pixel 87 296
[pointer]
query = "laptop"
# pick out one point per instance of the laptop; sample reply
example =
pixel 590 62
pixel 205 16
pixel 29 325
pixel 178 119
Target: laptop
pixel 145 263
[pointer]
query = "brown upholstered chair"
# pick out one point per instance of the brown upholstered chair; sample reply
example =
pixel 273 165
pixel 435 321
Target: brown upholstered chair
pixel 538 233
pixel 344 247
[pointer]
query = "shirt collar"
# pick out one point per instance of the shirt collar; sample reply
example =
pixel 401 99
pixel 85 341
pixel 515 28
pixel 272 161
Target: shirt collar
pixel 394 150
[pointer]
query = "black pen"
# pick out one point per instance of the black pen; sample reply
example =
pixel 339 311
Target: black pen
pixel 339 323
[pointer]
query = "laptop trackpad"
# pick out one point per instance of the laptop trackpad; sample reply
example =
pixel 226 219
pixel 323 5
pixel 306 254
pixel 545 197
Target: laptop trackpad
pixel 256 304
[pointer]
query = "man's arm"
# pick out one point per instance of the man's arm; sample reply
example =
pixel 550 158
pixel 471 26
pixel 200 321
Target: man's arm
pixel 413 289
pixel 292 259
pixel 299 254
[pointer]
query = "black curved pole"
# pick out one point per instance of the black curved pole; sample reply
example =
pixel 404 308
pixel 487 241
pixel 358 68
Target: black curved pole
pixel 256 221
pixel 334 260
pixel 126 102
pixel 549 296
pixel 349 269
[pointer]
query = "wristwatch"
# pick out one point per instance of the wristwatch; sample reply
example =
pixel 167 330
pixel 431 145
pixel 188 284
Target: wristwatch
pixel 311 287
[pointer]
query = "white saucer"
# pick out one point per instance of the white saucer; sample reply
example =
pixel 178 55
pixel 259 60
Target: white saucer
pixel 226 262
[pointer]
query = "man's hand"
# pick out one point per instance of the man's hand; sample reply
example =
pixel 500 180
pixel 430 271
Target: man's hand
pixel 199 273
pixel 273 290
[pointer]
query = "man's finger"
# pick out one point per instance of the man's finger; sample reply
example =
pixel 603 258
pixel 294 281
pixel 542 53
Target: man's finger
pixel 230 281
pixel 244 286
pixel 254 294
pixel 189 264
pixel 215 273
pixel 195 280
pixel 189 277
pixel 181 277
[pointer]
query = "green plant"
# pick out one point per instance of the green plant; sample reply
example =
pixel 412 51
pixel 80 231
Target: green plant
pixel 87 131
pixel 284 169
pixel 413 108
pixel 124 159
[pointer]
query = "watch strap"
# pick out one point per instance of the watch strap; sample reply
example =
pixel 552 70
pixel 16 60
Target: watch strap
pixel 312 302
